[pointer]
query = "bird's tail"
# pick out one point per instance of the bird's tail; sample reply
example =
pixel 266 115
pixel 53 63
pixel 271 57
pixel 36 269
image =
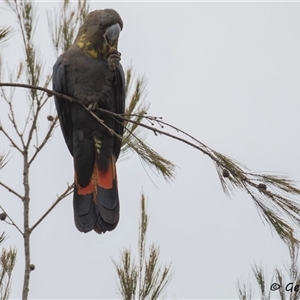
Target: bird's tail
pixel 96 206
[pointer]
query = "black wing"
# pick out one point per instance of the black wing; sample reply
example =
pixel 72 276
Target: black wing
pixel 120 107
pixel 59 81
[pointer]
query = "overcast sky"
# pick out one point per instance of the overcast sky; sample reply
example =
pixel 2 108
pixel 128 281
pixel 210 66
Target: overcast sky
pixel 227 73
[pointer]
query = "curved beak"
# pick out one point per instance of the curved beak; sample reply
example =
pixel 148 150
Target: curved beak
pixel 112 34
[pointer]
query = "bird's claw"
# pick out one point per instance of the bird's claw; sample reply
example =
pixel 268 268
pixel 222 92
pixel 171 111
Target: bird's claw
pixel 114 59
pixel 92 106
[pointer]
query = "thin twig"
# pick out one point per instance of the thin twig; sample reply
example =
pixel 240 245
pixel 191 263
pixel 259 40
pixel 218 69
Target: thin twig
pixel 11 190
pixel 10 139
pixel 155 130
pixel 100 121
pixel 66 193
pixel 35 114
pixel 29 86
pixel 46 138
pixel 12 222
pixel 13 120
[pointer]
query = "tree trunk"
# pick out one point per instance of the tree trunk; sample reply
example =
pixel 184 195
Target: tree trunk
pixel 26 237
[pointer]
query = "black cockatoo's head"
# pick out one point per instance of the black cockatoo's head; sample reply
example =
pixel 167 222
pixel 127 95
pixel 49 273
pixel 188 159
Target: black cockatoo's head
pixel 98 35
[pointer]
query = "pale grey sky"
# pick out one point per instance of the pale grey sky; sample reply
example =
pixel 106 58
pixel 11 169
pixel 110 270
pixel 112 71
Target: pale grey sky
pixel 227 73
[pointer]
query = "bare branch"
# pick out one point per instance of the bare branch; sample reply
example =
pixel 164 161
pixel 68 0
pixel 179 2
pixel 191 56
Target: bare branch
pixel 11 220
pixel 155 130
pixel 11 190
pixel 45 140
pixel 66 193
pixel 271 194
pixel 10 139
pixel 29 86
pixel 34 123
pixel 14 122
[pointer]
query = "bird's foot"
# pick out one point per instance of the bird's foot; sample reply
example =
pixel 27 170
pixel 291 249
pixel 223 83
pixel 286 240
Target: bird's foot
pixel 113 59
pixel 92 106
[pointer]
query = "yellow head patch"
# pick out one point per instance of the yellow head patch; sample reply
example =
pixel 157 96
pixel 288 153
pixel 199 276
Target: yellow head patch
pixel 83 44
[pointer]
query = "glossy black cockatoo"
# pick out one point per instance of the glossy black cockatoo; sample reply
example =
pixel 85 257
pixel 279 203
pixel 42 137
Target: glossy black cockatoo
pixel 90 72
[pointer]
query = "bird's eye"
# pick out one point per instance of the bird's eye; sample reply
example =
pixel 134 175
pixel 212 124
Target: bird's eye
pixel 100 24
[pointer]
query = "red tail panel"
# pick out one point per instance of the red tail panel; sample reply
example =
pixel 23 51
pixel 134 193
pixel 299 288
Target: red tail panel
pixel 103 179
pixel 91 188
pixel 86 190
